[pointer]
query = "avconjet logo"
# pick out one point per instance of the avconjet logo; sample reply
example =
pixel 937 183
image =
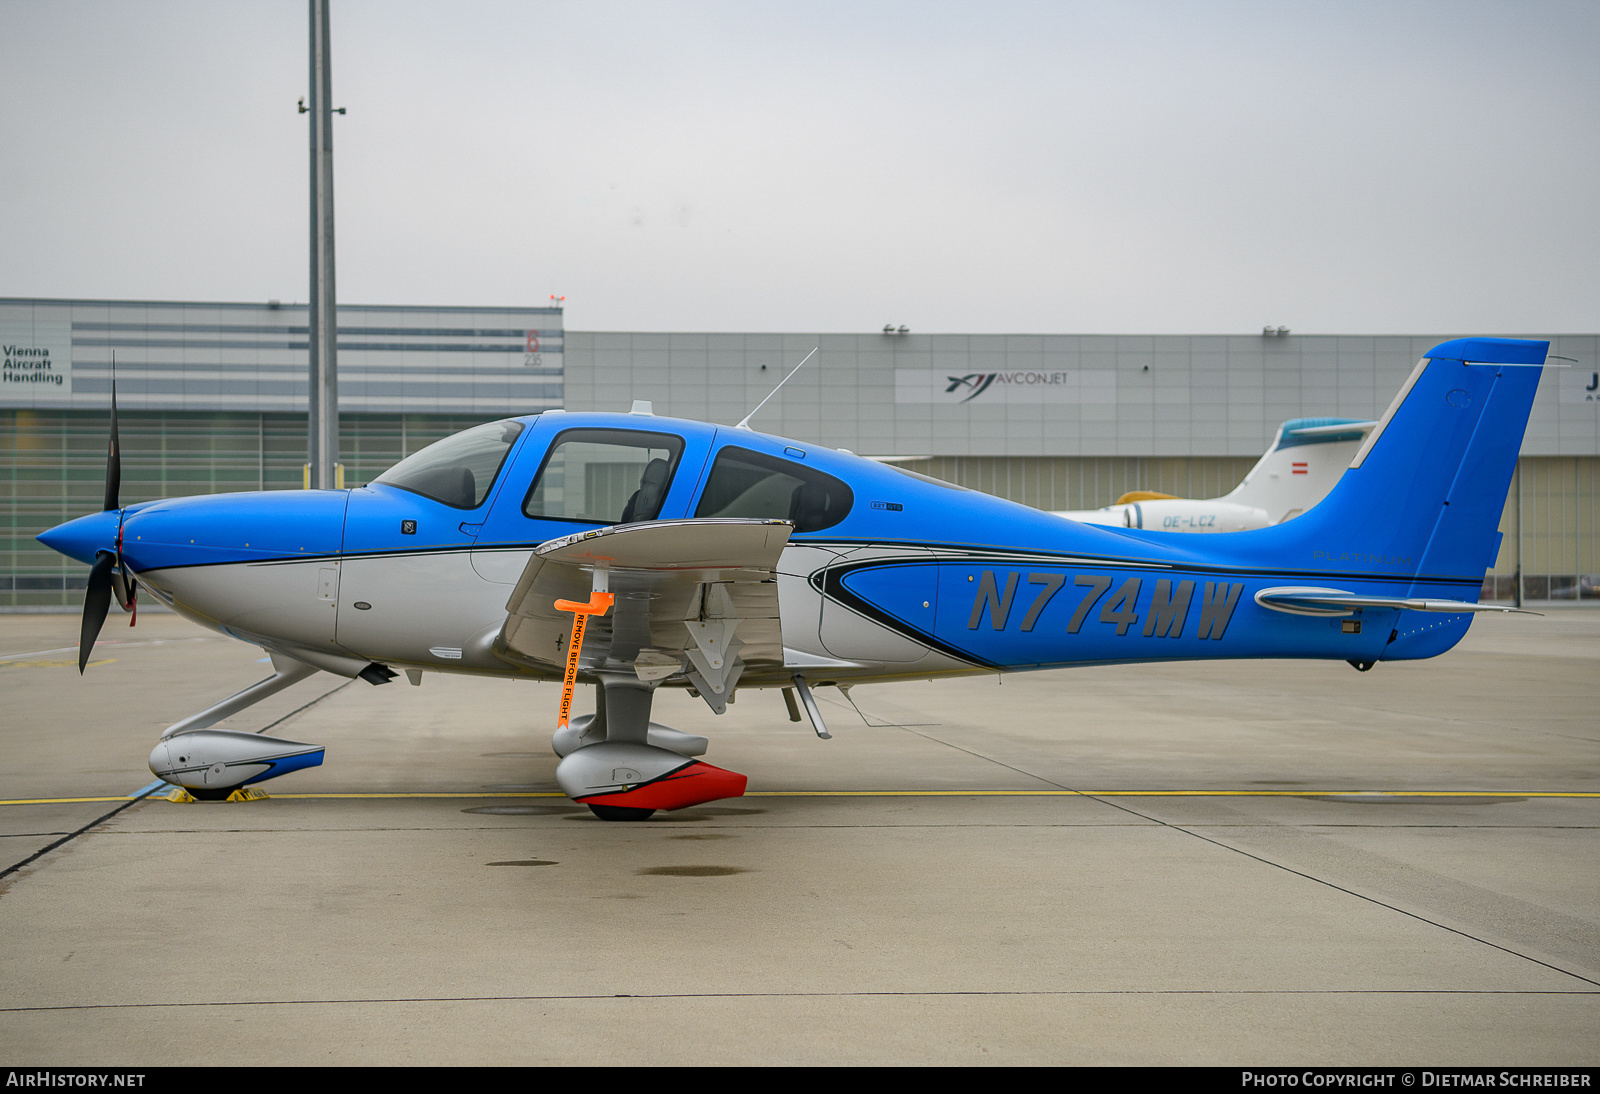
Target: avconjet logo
pixel 978 381
pixel 936 385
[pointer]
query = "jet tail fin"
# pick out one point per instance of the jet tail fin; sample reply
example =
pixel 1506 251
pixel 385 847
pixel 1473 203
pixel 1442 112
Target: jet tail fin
pixel 1306 459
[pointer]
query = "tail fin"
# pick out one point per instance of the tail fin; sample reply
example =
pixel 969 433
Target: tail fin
pixel 1423 497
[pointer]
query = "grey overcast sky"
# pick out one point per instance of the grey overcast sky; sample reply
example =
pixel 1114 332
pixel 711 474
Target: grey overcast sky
pixel 760 166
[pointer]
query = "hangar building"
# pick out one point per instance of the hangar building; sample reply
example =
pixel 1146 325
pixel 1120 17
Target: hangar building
pixel 212 398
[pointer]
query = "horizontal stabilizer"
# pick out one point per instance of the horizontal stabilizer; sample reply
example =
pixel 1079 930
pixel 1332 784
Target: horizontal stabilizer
pixel 1337 602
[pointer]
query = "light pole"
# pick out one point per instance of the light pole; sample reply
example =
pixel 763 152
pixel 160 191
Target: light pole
pixel 322 471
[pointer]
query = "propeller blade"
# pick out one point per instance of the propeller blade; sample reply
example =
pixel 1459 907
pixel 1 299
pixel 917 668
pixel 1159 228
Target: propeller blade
pixel 113 450
pixel 96 603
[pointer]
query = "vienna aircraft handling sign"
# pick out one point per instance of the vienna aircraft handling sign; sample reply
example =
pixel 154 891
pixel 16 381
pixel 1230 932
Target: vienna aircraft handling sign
pixel 928 385
pixel 37 359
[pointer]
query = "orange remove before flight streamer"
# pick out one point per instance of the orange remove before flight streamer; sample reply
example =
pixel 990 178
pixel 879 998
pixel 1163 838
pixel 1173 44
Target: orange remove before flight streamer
pixel 599 603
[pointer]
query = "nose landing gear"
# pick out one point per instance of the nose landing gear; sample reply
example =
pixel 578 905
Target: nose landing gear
pixel 218 764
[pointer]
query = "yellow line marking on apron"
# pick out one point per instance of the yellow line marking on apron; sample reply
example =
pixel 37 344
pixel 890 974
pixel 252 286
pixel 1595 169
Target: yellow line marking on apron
pixel 915 794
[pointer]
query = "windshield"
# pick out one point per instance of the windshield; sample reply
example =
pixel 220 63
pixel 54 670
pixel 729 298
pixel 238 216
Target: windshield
pixel 457 470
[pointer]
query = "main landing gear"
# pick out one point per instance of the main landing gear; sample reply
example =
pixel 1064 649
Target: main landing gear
pixel 624 767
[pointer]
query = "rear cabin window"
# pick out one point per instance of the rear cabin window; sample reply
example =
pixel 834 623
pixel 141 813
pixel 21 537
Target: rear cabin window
pixel 457 470
pixel 749 484
pixel 604 476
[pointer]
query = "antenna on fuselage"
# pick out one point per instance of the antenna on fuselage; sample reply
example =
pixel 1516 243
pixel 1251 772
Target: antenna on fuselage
pixel 745 422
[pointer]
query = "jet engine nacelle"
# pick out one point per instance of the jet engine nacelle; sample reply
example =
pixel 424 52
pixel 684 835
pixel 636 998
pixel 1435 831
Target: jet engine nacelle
pixel 1177 515
pixel 212 760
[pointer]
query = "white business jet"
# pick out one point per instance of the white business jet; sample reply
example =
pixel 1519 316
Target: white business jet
pixel 1304 462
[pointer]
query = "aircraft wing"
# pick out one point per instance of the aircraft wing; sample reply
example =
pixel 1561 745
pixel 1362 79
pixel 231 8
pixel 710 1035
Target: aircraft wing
pixel 696 599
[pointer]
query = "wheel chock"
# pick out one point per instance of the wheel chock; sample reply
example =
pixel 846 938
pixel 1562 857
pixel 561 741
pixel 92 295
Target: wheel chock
pixel 243 794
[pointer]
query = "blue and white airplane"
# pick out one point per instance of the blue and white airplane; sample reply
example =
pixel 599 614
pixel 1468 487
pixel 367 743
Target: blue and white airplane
pixel 714 559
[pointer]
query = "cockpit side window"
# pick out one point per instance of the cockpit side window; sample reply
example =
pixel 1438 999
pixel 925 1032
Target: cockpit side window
pixel 458 470
pixel 750 484
pixel 604 476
